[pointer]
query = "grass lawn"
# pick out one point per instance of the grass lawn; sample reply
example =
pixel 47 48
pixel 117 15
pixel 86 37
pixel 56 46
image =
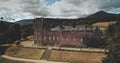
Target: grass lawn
pixel 76 57
pixel 3 60
pixel 21 52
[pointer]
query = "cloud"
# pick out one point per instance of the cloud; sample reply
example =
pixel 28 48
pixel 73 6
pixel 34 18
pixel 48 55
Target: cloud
pixel 20 9
pixel 107 4
pixel 81 8
pixel 72 8
pixel 36 7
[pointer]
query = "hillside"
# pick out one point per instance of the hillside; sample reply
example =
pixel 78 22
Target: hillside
pixel 5 22
pixel 100 16
pixel 103 16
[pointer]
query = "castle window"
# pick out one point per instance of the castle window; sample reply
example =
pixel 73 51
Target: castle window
pixel 44 38
pixel 57 38
pixel 39 38
pixel 53 37
pixel 49 37
pixel 81 39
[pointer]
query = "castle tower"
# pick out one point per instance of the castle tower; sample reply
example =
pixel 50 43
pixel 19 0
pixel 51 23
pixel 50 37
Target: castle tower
pixel 38 31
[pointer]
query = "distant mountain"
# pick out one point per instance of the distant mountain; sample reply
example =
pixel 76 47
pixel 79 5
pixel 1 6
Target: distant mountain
pixel 100 16
pixel 100 13
pixel 103 16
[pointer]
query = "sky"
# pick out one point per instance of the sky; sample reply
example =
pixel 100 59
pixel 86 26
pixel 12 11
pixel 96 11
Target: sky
pixel 14 10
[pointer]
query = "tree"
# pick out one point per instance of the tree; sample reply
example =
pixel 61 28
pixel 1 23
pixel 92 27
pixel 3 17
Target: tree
pixel 110 31
pixel 96 42
pixel 14 32
pixel 10 32
pixel 113 56
pixel 1 18
pixel 26 30
pixel 3 31
pixel 98 31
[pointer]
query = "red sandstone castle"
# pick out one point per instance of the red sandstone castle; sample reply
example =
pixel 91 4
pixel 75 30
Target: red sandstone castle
pixel 69 36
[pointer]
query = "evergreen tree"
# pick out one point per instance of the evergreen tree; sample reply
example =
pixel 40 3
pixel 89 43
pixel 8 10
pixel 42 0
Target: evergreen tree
pixel 113 56
pixel 15 32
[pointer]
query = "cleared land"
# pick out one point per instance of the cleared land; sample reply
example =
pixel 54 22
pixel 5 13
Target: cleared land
pixel 21 52
pixel 103 25
pixel 80 57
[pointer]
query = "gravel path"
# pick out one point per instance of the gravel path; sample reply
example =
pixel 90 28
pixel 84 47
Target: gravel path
pixel 29 60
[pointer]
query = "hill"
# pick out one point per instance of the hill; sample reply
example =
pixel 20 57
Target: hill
pixel 5 22
pixel 25 21
pixel 100 16
pixel 103 16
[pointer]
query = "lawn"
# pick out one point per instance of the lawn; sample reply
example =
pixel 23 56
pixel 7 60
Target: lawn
pixel 21 52
pixel 76 57
pixel 3 60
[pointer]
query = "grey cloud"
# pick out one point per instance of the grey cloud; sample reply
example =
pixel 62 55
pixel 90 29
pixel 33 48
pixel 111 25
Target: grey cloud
pixel 4 0
pixel 107 4
pixel 62 8
pixel 22 8
pixel 81 8
pixel 36 7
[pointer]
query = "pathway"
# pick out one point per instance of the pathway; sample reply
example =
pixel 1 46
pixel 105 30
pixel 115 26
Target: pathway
pixel 46 54
pixel 31 44
pixel 29 60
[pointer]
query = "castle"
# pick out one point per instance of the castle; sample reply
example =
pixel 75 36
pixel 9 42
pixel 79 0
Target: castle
pixel 67 37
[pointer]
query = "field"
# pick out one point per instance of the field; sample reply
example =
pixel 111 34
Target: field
pixel 102 25
pixel 21 52
pixel 3 60
pixel 78 57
